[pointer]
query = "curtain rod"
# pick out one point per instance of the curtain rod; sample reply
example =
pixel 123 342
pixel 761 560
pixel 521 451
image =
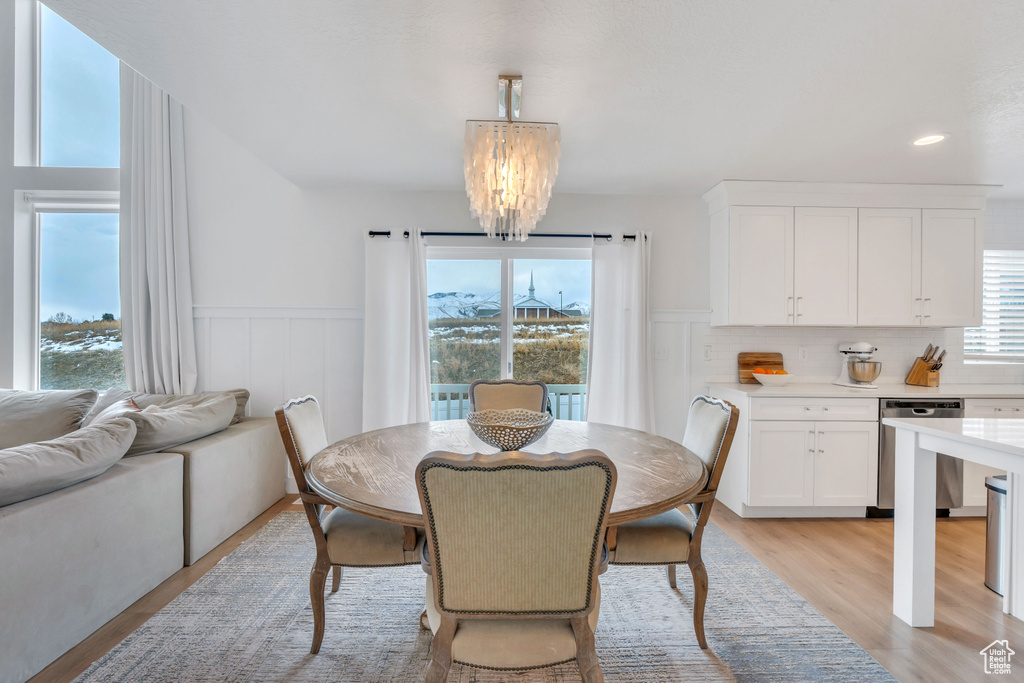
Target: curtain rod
pixel 387 233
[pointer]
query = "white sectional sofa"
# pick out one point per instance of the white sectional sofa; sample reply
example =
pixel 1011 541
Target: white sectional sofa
pixel 74 558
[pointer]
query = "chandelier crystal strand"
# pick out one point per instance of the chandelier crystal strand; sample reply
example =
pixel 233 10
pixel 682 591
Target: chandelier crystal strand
pixel 510 169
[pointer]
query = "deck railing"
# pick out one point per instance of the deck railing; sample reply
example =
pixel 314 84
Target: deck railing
pixel 451 401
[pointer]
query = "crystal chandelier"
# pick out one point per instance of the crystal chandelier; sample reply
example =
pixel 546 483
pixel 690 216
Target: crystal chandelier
pixel 510 166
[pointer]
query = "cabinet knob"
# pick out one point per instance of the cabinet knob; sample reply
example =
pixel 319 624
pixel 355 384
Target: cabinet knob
pixel 826 410
pixel 807 407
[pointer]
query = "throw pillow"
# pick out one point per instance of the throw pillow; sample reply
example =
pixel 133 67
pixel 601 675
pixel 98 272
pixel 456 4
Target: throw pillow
pixel 161 427
pixel 29 416
pixel 144 400
pixel 34 469
pixel 126 405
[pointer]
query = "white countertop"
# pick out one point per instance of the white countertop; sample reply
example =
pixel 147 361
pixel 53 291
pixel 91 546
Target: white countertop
pixel 1006 435
pixel 894 390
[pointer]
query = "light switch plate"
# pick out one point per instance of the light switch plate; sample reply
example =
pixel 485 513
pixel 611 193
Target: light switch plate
pixel 707 352
pixel 660 352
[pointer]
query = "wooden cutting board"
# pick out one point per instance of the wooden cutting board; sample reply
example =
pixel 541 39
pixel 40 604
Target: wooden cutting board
pixel 748 360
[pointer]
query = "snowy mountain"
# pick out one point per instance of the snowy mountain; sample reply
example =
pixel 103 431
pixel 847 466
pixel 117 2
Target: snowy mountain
pixel 469 305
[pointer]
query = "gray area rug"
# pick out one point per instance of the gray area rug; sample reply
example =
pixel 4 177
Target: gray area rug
pixel 249 619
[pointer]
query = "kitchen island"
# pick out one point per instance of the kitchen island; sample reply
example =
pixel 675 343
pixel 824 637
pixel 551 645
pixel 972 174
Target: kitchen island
pixel 993 442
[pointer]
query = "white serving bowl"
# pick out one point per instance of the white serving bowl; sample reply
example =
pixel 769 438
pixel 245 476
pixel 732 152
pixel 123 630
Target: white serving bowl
pixel 772 380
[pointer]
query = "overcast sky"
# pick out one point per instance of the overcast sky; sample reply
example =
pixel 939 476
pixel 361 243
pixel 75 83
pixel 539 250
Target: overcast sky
pixel 572 277
pixel 79 126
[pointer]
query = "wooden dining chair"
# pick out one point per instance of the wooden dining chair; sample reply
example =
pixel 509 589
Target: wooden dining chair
pixel 672 537
pixel 343 538
pixel 513 552
pixel 506 394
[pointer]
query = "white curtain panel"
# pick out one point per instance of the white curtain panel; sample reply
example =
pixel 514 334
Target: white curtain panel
pixel 396 351
pixel 156 287
pixel 619 366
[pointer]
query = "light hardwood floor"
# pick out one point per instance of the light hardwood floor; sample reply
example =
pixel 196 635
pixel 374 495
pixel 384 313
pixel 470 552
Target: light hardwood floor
pixel 842 567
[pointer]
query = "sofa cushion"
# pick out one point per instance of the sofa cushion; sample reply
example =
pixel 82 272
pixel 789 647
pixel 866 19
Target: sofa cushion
pixel 144 400
pixel 163 426
pixel 29 416
pixel 33 469
pixel 114 411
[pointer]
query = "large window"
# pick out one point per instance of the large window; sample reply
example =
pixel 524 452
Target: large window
pixel 1001 335
pixel 79 302
pixel 496 316
pixel 79 103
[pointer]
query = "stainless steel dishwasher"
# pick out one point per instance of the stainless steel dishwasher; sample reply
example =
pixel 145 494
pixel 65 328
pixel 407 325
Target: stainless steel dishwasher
pixel 949 471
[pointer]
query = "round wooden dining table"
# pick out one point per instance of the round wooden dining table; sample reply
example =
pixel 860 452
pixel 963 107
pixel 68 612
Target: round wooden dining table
pixel 372 473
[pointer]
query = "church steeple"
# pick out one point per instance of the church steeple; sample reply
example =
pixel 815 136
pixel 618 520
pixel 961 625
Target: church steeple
pixel 531 284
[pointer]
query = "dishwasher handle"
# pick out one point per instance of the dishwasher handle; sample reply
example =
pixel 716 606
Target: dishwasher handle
pixel 923 412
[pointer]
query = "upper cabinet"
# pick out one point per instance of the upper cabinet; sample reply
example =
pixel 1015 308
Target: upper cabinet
pixel 920 267
pixel 783 254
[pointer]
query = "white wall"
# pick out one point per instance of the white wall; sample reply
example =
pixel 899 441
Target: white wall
pixel 277 273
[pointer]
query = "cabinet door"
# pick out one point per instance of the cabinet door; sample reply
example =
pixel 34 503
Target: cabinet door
pixel 889 267
pixel 951 267
pixel 781 463
pixel 846 463
pixel 760 265
pixel 825 266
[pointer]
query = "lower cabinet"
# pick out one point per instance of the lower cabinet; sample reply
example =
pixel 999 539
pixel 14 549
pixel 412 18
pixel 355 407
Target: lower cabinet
pixel 813 463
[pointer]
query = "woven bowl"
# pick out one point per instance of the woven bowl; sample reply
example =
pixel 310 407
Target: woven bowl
pixel 509 430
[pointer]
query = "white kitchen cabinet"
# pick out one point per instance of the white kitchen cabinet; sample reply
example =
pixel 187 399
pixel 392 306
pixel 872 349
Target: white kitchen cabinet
pixel 952 244
pixel 783 254
pixel 825 266
pixel 919 268
pixel 889 267
pixel 760 265
pixel 821 463
pixel 781 463
pixel 791 266
pixel 846 463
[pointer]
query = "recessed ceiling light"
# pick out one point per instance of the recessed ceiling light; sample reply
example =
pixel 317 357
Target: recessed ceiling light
pixel 931 139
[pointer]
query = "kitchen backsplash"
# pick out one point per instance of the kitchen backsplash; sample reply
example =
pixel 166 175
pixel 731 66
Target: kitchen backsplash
pixel 897 347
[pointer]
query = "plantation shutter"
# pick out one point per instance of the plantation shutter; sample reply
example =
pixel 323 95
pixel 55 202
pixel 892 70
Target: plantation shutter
pixel 1001 335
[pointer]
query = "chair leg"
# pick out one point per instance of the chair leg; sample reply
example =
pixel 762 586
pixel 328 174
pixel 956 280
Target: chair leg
pixel 700 597
pixel 317 581
pixel 671 575
pixel 335 578
pixel 586 656
pixel 441 651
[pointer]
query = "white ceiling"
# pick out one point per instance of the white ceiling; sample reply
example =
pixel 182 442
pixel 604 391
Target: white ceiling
pixel 652 97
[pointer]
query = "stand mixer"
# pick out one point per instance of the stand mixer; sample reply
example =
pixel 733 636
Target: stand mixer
pixel 858 370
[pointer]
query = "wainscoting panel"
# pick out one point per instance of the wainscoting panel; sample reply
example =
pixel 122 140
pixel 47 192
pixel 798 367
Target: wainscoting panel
pixel 678 375
pixel 280 353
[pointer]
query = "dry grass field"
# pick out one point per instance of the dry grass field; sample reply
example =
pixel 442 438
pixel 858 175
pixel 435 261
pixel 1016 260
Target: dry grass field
pixel 467 349
pixel 81 355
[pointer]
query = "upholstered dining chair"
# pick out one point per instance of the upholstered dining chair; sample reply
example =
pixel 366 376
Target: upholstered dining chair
pixel 506 394
pixel 514 548
pixel 672 537
pixel 343 538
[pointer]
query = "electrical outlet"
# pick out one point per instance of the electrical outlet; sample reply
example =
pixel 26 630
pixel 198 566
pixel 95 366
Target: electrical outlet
pixel 707 352
pixel 802 353
pixel 660 352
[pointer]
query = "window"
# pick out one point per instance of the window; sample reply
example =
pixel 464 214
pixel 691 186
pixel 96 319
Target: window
pixel 1001 335
pixel 66 322
pixel 79 301
pixel 79 98
pixel 496 316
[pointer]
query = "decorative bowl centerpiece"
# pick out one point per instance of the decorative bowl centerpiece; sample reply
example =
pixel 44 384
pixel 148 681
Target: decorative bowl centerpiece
pixel 509 430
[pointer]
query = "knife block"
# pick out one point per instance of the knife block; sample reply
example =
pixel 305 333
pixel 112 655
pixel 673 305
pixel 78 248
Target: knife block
pixel 921 374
